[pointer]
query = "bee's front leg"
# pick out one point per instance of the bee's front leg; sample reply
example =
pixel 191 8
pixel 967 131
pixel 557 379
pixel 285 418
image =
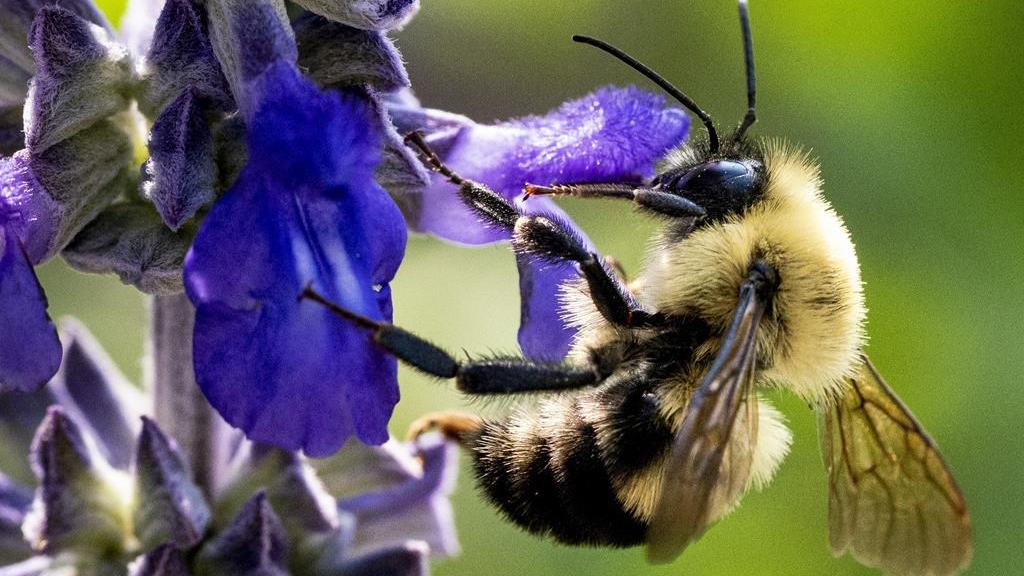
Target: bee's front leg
pixel 549 238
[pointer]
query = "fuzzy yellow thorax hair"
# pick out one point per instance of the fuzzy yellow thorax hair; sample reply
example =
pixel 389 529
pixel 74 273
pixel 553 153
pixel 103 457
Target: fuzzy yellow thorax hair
pixel 812 336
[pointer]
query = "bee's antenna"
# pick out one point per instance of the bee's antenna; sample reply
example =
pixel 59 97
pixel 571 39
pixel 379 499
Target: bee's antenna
pixel 748 52
pixel 667 86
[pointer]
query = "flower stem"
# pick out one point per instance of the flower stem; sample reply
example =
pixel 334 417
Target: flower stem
pixel 179 407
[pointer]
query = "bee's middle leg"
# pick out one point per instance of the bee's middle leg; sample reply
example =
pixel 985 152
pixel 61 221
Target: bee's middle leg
pixel 484 376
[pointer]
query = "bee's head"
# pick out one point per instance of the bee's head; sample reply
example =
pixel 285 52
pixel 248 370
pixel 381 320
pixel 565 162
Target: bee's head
pixel 721 184
pixel 721 179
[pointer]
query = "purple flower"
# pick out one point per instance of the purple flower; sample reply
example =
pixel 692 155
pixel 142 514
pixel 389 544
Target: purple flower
pixel 392 495
pixel 611 135
pixel 74 162
pixel 283 182
pixel 366 510
pixel 29 349
pixel 304 211
pixel 292 173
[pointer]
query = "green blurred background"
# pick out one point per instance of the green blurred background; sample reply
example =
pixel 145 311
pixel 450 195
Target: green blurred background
pixel 913 108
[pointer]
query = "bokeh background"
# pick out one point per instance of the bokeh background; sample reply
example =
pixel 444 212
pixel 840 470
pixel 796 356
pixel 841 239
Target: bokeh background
pixel 913 108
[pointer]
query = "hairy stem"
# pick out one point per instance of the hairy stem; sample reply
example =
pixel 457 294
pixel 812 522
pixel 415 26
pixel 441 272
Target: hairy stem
pixel 179 407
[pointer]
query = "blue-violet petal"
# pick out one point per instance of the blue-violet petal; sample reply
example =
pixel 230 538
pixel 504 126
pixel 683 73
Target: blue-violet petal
pixel 417 508
pixel 305 211
pixel 612 135
pixel 30 350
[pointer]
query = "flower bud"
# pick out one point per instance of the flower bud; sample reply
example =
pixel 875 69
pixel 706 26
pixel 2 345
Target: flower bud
pixel 81 77
pixel 181 57
pixel 181 169
pixel 81 504
pixel 254 543
pixel 130 240
pixel 336 55
pixel 366 14
pixel 170 507
pixel 164 560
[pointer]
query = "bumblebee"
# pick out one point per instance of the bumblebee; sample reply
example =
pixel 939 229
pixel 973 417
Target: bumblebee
pixel 655 428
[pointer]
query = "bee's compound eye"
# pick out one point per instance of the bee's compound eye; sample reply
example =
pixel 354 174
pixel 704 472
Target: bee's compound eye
pixel 728 185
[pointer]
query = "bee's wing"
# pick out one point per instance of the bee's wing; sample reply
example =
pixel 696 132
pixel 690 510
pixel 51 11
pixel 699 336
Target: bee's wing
pixel 892 503
pixel 708 466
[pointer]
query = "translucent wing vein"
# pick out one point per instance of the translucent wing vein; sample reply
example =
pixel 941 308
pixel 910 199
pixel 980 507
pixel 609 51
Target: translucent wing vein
pixel 893 503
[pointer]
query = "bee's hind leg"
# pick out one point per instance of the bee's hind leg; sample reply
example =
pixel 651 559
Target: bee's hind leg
pixel 457 426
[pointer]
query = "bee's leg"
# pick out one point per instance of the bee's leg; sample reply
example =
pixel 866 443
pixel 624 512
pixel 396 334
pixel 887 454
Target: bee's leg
pixel 616 266
pixel 548 238
pixel 485 376
pixel 457 426
pixel 650 200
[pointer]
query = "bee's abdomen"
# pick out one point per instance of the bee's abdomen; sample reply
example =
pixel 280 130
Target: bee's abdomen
pixel 548 473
